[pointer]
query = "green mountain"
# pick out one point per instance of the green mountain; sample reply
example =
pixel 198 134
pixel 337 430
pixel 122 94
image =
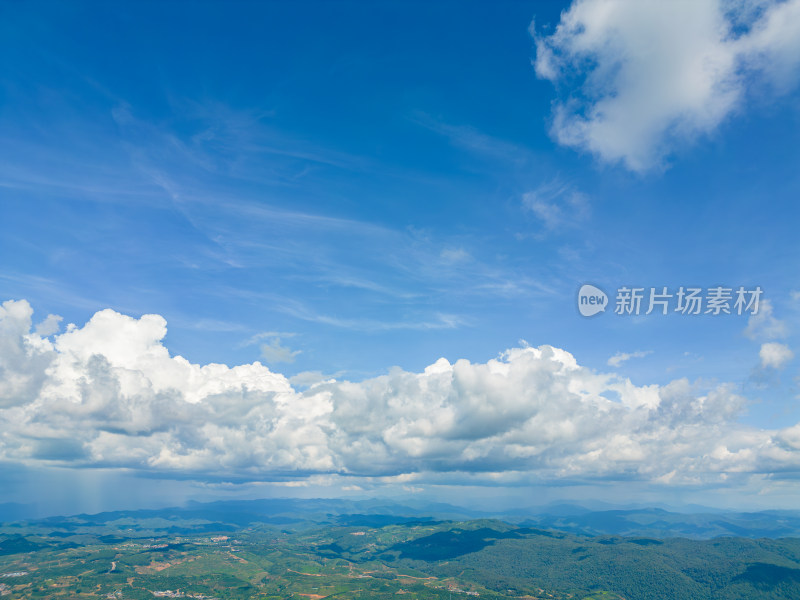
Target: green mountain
pixel 315 549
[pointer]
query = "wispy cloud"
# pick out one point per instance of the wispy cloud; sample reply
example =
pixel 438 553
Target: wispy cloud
pixel 557 205
pixel 471 140
pixel 434 321
pixel 621 357
pixel 273 351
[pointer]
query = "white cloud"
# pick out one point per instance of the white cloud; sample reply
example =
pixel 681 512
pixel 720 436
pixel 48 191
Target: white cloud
pixel 109 394
pixel 774 355
pixel 306 379
pixel 621 357
pixel 23 357
pixel 274 352
pixel 772 46
pixel 646 76
pixel 763 325
pixel 49 326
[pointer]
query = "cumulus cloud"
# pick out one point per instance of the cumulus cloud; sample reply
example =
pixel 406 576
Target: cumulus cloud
pixel 640 77
pixel 109 394
pixel 621 357
pixel 774 355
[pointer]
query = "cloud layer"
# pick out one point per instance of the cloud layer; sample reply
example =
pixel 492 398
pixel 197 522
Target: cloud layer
pixel 775 355
pixel 647 76
pixel 109 394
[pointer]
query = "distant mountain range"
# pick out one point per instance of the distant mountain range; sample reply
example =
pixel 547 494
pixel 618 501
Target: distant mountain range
pixel 302 513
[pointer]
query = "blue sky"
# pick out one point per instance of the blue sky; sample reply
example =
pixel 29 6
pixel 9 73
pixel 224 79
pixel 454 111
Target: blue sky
pixel 348 192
